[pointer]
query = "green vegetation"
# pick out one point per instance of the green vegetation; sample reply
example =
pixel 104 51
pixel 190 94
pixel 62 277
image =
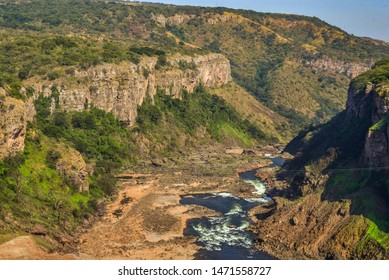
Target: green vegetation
pixel 366 187
pixel 344 183
pixel 197 111
pixel 270 56
pixel 381 237
pixel 32 191
pixel 378 76
pixel 96 134
pixel 38 40
pixel 381 125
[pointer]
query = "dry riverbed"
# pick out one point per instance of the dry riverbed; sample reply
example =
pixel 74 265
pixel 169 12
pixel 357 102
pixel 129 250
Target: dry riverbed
pixel 146 220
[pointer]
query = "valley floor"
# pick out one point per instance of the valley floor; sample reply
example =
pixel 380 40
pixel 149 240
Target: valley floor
pixel 146 220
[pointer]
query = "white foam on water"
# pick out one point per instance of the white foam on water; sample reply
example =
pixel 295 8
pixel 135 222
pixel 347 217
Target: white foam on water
pixel 244 225
pixel 223 194
pixel 256 199
pixel 222 232
pixel 235 210
pixel 260 187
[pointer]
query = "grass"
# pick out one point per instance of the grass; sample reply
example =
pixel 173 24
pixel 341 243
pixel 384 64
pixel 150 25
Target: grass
pixel 344 183
pixel 376 234
pixel 40 195
pixel 381 125
pixel 228 131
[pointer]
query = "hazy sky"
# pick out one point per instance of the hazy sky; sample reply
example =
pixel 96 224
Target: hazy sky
pixel 359 17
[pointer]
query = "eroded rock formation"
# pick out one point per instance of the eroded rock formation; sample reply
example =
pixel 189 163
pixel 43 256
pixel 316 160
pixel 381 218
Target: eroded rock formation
pixel 13 123
pixel 121 88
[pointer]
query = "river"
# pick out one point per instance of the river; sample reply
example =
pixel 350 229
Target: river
pixel 226 236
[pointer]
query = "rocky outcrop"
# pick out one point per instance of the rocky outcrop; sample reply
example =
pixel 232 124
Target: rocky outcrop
pixel 70 164
pixel 311 228
pixel 173 20
pixel 300 230
pixel 372 103
pixel 121 88
pixel 13 124
pixel 326 64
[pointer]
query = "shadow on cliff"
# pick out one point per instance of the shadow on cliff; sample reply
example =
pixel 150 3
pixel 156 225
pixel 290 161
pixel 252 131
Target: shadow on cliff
pixel 348 178
pixel 367 191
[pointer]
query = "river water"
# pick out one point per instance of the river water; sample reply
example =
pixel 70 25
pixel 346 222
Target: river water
pixel 226 237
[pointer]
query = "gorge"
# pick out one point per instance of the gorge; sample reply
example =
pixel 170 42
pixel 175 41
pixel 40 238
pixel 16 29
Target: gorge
pixel 124 128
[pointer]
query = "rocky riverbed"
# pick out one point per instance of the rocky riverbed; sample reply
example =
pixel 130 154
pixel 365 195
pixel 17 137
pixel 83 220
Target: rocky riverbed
pixel 146 220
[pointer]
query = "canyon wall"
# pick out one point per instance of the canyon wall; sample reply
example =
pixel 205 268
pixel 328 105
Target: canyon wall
pixel 14 115
pixel 117 88
pixel 326 64
pixel 373 104
pixel 121 88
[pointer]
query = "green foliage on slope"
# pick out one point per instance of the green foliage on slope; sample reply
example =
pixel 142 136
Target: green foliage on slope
pixel 33 192
pixel 260 46
pixel 377 76
pixel 196 111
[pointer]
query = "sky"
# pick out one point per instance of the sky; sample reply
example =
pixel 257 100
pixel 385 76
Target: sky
pixel 359 17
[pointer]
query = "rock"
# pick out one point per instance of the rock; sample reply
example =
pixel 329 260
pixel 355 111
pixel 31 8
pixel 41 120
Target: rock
pixel 235 151
pixel 121 88
pixel 38 230
pixel 249 152
pixel 372 104
pixel 342 212
pixel 294 221
pixel 305 189
pixel 156 162
pixel 13 124
pixel 65 238
pixel 326 64
pixel 72 166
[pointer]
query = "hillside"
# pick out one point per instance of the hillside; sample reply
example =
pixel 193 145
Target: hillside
pixel 297 66
pixel 77 108
pixel 91 89
pixel 339 200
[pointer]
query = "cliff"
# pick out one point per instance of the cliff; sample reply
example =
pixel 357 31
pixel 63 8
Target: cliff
pixel 118 88
pixel 121 88
pixel 326 64
pixel 14 115
pixel 372 103
pixel 297 66
pixel 337 205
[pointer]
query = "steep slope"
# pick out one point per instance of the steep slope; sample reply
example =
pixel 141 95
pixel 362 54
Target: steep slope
pixel 339 200
pixel 273 125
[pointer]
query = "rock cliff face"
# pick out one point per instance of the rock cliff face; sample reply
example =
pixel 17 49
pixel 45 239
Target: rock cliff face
pixel 350 69
pixel 121 88
pixel 72 166
pixel 13 123
pixel 373 103
pixel 117 88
